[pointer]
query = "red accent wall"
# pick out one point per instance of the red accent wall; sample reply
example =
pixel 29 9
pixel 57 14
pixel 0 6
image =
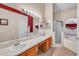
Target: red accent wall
pixel 30 23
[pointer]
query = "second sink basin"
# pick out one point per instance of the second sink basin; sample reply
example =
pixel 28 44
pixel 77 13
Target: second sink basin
pixel 17 48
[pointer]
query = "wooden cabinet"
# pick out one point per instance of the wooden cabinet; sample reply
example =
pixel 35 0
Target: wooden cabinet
pixel 32 51
pixel 45 45
pixel 42 46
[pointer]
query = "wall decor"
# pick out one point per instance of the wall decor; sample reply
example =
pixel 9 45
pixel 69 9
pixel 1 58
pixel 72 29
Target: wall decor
pixel 71 26
pixel 3 21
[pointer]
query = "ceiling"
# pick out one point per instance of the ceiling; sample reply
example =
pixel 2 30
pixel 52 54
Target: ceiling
pixel 63 6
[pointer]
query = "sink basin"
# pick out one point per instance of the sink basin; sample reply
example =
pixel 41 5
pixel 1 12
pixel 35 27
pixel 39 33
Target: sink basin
pixel 17 48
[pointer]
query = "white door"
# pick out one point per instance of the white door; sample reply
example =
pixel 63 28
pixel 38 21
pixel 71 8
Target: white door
pixel 23 27
pixel 58 33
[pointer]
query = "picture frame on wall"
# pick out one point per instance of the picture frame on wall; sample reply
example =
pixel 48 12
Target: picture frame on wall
pixel 3 21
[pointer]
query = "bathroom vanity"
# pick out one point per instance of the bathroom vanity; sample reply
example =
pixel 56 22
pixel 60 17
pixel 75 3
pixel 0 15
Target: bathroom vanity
pixel 42 46
pixel 30 52
pixel 29 47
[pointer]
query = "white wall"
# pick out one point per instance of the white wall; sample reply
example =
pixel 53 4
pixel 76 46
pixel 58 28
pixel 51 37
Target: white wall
pixel 11 31
pixel 78 10
pixel 49 17
pixel 64 15
pixel 49 14
pixel 78 30
pixel 13 5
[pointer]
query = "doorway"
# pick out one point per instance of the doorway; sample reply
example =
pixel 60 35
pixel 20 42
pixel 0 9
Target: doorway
pixel 58 29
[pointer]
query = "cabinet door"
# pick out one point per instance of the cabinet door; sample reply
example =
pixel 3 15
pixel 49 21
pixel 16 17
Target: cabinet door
pixel 32 51
pixel 22 54
pixel 45 45
pixel 42 47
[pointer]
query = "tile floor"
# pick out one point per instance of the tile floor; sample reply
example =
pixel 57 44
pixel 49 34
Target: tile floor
pixel 58 51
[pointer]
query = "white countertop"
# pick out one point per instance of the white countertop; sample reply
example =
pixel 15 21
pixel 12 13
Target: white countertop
pixel 29 43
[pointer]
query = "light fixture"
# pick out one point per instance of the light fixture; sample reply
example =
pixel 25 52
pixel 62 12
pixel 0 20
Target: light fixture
pixel 29 12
